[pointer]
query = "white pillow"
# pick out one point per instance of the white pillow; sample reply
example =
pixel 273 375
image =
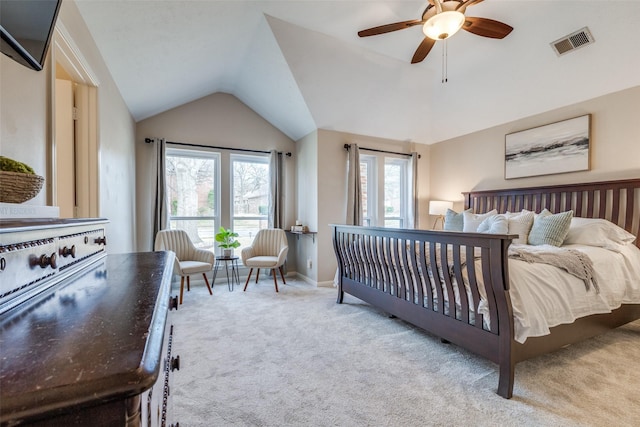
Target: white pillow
pixel 520 223
pixel 472 221
pixel 495 224
pixel 597 232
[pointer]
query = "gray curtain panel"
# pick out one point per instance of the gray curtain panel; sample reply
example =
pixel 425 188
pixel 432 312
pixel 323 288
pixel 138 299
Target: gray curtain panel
pixel 414 218
pixel 354 188
pixel 354 195
pixel 276 217
pixel 161 214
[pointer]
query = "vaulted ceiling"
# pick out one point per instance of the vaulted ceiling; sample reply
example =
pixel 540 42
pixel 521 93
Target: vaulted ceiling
pixel 301 65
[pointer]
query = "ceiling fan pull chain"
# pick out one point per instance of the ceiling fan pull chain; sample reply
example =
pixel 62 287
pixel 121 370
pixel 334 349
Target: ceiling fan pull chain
pixel 444 61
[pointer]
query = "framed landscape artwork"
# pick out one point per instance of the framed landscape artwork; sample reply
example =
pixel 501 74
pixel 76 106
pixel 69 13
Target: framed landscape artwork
pixel 554 148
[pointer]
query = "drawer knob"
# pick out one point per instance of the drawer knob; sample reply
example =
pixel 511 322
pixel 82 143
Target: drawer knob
pixel 48 261
pixel 101 240
pixel 173 303
pixel 66 251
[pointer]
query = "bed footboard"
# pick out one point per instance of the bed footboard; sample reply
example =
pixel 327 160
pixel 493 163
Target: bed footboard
pixel 453 285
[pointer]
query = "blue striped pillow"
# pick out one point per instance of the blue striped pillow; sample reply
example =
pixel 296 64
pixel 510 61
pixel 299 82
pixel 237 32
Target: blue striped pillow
pixel 550 229
pixel 454 221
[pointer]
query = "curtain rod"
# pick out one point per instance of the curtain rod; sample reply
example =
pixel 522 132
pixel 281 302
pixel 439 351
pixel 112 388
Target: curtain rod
pixel 184 144
pixel 346 147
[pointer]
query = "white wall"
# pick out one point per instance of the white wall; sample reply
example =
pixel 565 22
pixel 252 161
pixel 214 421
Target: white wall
pixel 23 116
pixel 24 113
pixel 476 161
pixel 215 120
pixel 304 247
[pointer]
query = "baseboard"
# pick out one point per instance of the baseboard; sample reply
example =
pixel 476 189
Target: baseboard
pixel 326 284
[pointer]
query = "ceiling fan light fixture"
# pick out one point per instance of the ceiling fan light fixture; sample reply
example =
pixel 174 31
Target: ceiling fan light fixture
pixel 443 25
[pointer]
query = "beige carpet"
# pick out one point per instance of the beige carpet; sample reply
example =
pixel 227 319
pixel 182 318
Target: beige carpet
pixel 297 358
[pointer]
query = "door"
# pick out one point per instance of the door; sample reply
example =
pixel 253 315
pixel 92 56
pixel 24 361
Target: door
pixel 73 155
pixel 86 151
pixel 76 154
pixel 65 149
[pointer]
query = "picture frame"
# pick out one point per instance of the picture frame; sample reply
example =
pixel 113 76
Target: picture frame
pixel 554 148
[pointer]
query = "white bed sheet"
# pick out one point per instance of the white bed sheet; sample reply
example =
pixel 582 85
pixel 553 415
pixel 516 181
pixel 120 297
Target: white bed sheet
pixel 544 296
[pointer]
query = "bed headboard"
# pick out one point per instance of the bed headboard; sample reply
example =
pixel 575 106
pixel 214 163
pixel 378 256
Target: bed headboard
pixel 617 201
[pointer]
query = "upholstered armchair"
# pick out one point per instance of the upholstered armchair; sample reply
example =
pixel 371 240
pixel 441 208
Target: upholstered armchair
pixel 188 260
pixel 268 250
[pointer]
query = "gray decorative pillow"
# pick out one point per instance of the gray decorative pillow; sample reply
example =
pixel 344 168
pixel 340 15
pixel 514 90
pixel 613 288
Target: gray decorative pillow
pixel 454 221
pixel 550 229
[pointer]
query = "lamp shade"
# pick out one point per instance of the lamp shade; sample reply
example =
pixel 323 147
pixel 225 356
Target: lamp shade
pixel 443 25
pixel 439 207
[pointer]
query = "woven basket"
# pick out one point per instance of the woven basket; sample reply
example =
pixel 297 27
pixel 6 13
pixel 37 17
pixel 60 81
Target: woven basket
pixel 16 187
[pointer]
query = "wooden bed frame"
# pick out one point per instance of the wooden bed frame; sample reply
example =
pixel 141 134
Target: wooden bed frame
pixel 379 266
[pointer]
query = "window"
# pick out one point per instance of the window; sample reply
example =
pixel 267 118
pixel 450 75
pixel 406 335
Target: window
pixel 193 194
pixel 395 192
pixel 250 195
pixel 198 204
pixel 385 179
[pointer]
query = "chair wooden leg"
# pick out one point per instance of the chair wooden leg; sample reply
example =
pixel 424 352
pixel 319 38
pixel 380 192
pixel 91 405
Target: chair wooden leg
pixel 257 275
pixel 275 281
pixel 188 284
pixel 207 282
pixel 247 282
pixel 282 275
pixel 181 287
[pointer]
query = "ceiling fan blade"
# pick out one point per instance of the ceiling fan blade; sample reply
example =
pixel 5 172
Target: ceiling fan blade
pixel 486 27
pixel 423 50
pixel 389 28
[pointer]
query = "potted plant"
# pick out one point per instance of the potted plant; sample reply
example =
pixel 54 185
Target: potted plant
pixel 18 181
pixel 227 241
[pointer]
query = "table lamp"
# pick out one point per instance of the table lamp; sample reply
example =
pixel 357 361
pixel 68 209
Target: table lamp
pixel 439 208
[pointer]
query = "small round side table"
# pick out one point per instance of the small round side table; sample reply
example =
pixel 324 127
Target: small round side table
pixel 235 278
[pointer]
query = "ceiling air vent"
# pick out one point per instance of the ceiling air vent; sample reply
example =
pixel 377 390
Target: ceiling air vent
pixel 573 41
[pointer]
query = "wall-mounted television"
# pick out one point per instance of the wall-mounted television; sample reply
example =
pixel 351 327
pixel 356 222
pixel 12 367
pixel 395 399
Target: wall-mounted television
pixel 26 28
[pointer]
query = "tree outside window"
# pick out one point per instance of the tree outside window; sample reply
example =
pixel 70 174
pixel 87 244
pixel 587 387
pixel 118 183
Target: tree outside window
pixel 191 190
pixel 384 179
pixel 395 192
pixel 250 196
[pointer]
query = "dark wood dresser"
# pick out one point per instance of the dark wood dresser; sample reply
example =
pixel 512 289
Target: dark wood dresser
pixel 85 337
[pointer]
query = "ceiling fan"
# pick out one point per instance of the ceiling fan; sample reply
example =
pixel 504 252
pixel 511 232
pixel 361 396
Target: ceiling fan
pixel 442 19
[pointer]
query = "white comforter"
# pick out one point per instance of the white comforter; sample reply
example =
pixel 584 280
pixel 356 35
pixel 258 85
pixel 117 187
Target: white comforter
pixel 544 296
